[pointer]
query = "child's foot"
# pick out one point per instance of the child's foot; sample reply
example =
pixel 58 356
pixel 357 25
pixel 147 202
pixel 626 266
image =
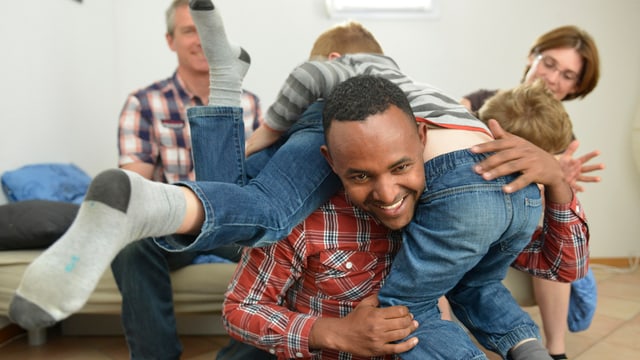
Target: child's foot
pixel 120 206
pixel 228 64
pixel 529 349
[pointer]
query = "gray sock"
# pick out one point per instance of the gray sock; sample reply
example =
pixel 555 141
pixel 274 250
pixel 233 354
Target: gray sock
pixel 120 207
pixel 228 64
pixel 530 350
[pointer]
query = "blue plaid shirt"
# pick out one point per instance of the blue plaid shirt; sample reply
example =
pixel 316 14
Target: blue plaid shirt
pixel 154 128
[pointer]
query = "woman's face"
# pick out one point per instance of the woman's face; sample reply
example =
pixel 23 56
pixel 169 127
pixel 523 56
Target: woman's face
pixel 559 68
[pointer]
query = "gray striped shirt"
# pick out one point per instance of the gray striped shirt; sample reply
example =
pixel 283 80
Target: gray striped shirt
pixel 314 80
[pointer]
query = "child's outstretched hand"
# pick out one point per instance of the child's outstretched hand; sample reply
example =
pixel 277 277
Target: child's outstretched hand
pixel 262 138
pixel 575 169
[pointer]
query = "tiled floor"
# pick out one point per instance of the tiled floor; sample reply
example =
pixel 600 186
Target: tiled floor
pixel 613 334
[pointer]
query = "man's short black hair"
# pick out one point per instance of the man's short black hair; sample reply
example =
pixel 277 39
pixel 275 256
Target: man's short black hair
pixel 359 97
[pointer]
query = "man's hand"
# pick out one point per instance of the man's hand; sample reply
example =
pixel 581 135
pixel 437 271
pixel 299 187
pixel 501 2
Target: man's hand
pixel 514 154
pixel 574 169
pixel 367 331
pixel 262 138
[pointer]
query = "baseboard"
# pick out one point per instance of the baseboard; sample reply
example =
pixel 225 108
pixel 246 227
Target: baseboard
pixel 100 325
pixel 619 262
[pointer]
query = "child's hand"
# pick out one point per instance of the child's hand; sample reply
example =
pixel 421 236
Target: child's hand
pixel 262 138
pixel 575 169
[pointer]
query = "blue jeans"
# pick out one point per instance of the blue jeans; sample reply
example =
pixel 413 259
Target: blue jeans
pixel 293 181
pixel 141 271
pixel 236 350
pixel 269 203
pixel 464 235
pixel 142 268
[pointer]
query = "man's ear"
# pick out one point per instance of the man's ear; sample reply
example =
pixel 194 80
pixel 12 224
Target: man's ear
pixel 422 133
pixel 169 39
pixel 334 55
pixel 325 152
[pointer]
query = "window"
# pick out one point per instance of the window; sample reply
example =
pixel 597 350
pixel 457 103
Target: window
pixel 381 8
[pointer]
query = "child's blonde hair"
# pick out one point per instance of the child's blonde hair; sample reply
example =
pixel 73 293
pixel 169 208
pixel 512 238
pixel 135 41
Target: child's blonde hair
pixel 533 113
pixel 346 38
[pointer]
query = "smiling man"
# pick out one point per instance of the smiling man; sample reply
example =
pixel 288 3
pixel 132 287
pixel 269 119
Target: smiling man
pixel 308 290
pixel 314 291
pixel 389 184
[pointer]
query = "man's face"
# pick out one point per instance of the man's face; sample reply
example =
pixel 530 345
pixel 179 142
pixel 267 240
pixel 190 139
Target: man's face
pixel 379 161
pixel 186 43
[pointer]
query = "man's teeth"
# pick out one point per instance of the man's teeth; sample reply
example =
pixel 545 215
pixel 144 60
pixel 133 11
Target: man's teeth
pixel 392 206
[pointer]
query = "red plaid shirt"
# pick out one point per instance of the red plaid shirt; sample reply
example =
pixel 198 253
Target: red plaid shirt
pixel 330 262
pixel 154 128
pixel 339 255
pixel 559 250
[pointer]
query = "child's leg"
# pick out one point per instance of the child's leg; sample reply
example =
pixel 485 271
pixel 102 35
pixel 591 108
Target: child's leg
pixel 459 220
pixel 142 269
pixel 121 207
pixel 553 299
pixel 481 301
pixel 228 63
pixel 496 321
pixel 294 182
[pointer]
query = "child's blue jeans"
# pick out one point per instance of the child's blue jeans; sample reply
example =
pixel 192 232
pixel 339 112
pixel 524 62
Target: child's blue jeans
pixel 464 235
pixel 280 186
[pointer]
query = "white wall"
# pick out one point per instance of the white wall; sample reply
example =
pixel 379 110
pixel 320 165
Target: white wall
pixel 67 67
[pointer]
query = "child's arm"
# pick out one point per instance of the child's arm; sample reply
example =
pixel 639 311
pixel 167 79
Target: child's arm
pixel 575 168
pixel 261 138
pixel 307 83
pixel 559 250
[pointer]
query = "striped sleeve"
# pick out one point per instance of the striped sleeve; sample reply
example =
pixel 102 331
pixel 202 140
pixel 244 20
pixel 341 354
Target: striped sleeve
pixel 307 83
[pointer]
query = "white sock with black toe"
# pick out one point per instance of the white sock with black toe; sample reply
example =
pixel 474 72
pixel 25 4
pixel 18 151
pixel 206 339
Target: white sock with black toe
pixel 228 63
pixel 120 207
pixel 531 349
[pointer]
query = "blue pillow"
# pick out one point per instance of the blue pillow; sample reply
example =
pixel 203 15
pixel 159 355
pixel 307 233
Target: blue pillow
pixel 48 181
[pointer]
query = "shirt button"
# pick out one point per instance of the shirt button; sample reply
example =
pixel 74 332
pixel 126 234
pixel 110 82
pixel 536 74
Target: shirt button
pixel 299 355
pixel 272 351
pixel 348 265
